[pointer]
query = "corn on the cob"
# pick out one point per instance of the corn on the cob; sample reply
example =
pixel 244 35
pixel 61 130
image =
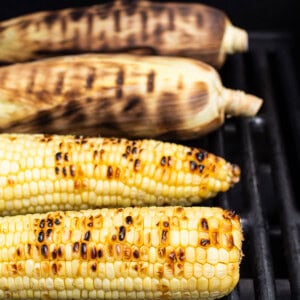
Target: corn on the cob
pixel 131 253
pixel 120 95
pixel 41 173
pixel 179 29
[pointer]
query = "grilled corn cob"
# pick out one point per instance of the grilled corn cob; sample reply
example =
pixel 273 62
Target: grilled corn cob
pixel 131 253
pixel 42 173
pixel 163 28
pixel 120 95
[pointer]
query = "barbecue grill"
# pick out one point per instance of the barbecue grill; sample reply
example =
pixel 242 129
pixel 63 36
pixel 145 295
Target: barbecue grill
pixel 266 147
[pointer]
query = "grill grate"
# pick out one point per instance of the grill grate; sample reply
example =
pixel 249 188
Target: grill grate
pixel 262 146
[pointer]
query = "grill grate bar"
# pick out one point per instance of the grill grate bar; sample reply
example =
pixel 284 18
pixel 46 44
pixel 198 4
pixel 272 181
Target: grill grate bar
pixel 280 174
pixel 291 96
pixel 222 200
pixel 263 270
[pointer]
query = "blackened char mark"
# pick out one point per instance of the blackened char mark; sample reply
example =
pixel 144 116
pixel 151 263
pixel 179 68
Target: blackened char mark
pixel 151 82
pixel 77 14
pixel 43 118
pixel 89 31
pixel 169 111
pixel 171 19
pixel 130 7
pixel 104 10
pixel 131 104
pixel 199 19
pixel 59 84
pixel 117 14
pixel 131 41
pixel 50 18
pixel 144 21
pixel 158 31
pixel 90 78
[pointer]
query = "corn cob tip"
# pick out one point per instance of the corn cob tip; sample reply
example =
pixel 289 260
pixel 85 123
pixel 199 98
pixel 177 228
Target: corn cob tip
pixel 236 173
pixel 238 103
pixel 235 39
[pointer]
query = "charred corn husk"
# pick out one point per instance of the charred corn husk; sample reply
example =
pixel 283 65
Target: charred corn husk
pixel 131 253
pixel 42 173
pixel 164 28
pixel 118 95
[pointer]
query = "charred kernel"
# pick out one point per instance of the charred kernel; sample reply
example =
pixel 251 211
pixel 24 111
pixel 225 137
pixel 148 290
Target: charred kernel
pixel 66 156
pixel 109 172
pixel 163 161
pixel 18 251
pixel 93 267
pixel 48 232
pixel 166 224
pixel 230 242
pixel 49 222
pixel 125 155
pixel 56 170
pixel 164 235
pixel 59 252
pixel 137 165
pixel 128 220
pixel 189 153
pixel 204 224
pixel 181 254
pixel 172 255
pixel 161 251
pixel 128 149
pixel 42 223
pixel 41 236
pixel 193 165
pixel 28 248
pixel 200 156
pixel 87 236
pixel 117 173
pixel 54 269
pixel 136 253
pixel 44 250
pixel 83 250
pixel 54 254
pixel 72 170
pixel 64 171
pixel 204 242
pixel 57 221
pixel 134 150
pixel 122 233
pixel 93 253
pixel 75 247
pixel 100 253
pixel 201 168
pixel 113 237
pixel 215 238
pixel 58 156
pixel 169 159
pixel 90 224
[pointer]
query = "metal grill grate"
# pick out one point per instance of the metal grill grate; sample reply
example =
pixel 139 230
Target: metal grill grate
pixel 266 148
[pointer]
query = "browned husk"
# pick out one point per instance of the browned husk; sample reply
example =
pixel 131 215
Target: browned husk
pixel 163 28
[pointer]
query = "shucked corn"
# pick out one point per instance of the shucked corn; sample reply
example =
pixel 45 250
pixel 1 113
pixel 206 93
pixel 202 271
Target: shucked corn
pixel 130 253
pixel 51 172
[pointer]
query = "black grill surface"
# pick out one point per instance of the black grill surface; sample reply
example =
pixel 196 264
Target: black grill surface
pixel 267 148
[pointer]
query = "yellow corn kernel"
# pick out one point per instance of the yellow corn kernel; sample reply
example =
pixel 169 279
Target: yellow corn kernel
pixel 69 172
pixel 87 254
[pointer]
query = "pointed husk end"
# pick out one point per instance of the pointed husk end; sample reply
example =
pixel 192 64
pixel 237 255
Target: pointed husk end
pixel 238 103
pixel 235 39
